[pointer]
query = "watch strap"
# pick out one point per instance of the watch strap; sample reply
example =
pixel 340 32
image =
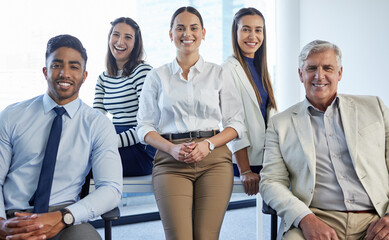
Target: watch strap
pixel 211 145
pixel 64 212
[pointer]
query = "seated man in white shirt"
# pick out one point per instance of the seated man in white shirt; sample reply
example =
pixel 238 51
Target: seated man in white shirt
pixel 87 140
pixel 326 158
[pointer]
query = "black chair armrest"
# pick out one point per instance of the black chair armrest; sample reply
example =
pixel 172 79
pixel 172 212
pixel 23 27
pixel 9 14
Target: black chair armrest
pixel 114 214
pixel 266 209
pixel 109 216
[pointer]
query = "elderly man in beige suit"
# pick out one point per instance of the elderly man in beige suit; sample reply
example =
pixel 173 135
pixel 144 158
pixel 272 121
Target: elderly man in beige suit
pixel 326 163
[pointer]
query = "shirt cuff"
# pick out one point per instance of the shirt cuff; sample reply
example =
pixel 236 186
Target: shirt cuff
pixel 79 212
pixel 143 131
pixel 299 218
pixel 239 128
pixel 238 144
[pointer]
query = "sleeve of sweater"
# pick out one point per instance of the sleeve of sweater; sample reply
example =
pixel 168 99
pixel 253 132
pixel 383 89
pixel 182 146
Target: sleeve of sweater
pixel 130 137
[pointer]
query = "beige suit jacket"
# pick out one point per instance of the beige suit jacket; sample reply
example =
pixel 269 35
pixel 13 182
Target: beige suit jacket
pixel 254 122
pixel 288 176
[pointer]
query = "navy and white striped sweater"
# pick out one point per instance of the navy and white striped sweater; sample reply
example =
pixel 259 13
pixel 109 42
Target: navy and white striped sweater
pixel 120 97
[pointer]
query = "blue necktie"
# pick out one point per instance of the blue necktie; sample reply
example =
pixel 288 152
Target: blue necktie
pixel 41 197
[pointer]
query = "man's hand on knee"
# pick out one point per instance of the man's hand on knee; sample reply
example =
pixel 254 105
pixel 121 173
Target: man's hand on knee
pixel 314 229
pixel 24 227
pixel 51 222
pixel 378 229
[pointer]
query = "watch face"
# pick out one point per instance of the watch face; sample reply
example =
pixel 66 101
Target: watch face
pixel 68 218
pixel 211 146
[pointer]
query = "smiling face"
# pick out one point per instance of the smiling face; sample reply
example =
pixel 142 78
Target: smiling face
pixel 187 33
pixel 250 34
pixel 64 73
pixel 320 75
pixel 121 43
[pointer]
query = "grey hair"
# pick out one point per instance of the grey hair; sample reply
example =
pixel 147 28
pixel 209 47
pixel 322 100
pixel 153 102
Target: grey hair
pixel 316 47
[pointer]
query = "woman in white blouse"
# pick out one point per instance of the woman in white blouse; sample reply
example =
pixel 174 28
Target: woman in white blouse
pixel 181 106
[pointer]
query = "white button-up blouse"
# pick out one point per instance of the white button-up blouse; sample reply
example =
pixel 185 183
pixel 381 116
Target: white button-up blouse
pixel 171 104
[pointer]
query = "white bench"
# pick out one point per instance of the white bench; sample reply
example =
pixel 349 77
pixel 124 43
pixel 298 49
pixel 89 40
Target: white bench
pixel 142 184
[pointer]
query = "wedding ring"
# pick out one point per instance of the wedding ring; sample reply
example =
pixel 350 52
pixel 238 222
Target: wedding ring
pixel 185 155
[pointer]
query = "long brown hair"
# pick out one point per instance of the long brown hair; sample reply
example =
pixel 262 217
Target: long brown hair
pixel 260 58
pixel 137 53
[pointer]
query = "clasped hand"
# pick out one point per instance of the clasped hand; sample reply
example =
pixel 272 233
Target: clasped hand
pixel 31 226
pixel 190 152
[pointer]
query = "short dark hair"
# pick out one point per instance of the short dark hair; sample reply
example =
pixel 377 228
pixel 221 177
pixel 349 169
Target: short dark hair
pixel 66 40
pixel 186 9
pixel 137 54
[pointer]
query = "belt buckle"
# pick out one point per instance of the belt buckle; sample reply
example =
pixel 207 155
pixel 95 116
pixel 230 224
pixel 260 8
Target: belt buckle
pixel 194 134
pixel 198 134
pixel 190 136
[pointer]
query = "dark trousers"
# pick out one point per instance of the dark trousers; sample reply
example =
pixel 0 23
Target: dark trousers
pixel 137 160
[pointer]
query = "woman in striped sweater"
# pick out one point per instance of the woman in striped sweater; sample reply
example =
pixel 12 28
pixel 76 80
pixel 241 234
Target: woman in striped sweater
pixel 118 90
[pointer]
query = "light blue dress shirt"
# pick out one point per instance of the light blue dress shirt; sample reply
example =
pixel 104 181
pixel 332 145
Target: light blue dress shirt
pixel 88 140
pixel 337 185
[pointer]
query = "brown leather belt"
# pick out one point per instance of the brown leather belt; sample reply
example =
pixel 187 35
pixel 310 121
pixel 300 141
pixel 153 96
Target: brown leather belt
pixel 362 211
pixel 194 134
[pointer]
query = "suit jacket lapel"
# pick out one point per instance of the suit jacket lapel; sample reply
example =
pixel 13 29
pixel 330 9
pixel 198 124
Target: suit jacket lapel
pixel 348 114
pixel 303 128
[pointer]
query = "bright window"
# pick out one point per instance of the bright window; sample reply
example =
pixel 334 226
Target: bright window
pixel 27 25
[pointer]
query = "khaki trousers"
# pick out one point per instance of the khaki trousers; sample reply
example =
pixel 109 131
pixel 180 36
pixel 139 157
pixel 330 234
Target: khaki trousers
pixel 192 198
pixel 348 226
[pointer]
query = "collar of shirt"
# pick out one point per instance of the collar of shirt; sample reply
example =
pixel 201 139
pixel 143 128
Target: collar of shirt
pixel 199 66
pixel 71 108
pixel 313 111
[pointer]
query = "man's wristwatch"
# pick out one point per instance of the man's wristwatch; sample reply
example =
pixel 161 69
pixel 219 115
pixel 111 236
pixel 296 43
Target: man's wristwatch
pixel 211 145
pixel 67 217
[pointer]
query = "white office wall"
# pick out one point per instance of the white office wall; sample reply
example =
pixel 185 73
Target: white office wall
pixel 286 84
pixel 359 27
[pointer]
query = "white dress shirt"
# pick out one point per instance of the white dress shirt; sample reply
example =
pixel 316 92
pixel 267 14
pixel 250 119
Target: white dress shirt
pixel 171 104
